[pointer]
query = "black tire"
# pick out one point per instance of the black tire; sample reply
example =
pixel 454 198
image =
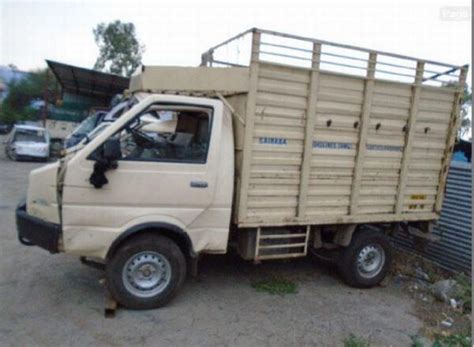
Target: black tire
pixel 348 264
pixel 326 257
pixel 162 245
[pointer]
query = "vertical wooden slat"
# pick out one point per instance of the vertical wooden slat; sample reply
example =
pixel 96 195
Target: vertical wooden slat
pixel 364 127
pixel 249 125
pixel 452 131
pixel 410 135
pixel 309 130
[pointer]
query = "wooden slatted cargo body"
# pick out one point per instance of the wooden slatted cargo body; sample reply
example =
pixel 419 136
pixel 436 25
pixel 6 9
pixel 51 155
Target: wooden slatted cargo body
pixel 331 147
pixel 327 133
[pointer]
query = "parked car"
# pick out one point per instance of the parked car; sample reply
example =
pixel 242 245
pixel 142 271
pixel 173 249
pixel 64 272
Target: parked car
pixel 27 142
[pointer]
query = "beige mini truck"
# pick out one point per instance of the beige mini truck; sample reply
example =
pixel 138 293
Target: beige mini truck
pixel 306 147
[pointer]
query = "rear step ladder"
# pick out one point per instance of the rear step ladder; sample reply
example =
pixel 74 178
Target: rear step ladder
pixel 273 244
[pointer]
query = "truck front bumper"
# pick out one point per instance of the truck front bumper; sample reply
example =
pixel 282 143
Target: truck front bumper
pixel 33 231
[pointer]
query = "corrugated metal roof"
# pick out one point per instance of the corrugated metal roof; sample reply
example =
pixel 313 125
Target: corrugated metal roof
pixel 88 82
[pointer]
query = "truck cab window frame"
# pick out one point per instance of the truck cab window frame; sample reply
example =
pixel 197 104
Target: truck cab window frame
pixel 166 133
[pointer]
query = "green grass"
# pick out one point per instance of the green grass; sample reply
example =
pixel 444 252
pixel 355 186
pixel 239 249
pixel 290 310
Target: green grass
pixel 464 292
pixel 455 340
pixel 354 341
pixel 275 285
pixel 415 341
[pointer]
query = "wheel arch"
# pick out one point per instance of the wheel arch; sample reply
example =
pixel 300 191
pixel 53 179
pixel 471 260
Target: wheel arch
pixel 175 233
pixel 345 235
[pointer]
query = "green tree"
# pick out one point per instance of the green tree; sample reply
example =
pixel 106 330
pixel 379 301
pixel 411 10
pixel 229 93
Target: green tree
pixel 21 92
pixel 465 107
pixel 120 52
pixel 466 103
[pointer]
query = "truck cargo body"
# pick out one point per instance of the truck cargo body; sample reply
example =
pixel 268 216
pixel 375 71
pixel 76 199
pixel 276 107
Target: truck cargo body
pixel 341 149
pixel 314 146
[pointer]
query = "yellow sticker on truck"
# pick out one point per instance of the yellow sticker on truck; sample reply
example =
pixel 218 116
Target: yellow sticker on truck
pixel 419 197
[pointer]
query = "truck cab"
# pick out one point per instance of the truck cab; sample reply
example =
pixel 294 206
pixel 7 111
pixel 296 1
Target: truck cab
pixel 165 164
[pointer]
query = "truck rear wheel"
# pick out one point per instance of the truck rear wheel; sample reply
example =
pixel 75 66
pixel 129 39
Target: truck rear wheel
pixel 366 261
pixel 146 272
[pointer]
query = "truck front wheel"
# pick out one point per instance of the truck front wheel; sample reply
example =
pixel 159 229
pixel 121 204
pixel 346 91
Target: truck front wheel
pixel 366 261
pixel 146 272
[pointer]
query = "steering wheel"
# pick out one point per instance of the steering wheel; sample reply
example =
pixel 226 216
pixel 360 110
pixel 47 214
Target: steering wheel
pixel 142 139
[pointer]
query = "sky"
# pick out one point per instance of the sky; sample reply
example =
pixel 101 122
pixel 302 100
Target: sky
pixel 177 32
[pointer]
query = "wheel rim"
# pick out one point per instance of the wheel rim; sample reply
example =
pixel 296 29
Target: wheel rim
pixel 146 274
pixel 370 260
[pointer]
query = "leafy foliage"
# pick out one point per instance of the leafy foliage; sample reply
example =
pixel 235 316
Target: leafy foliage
pixel 464 292
pixel 120 50
pixel 354 341
pixel 454 340
pixel 416 342
pixel 466 104
pixel 22 92
pixel 275 285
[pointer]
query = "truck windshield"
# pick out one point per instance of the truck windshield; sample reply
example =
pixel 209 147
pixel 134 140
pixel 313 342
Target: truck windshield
pixel 29 135
pixel 91 122
pixel 97 130
pixel 87 125
pixel 110 117
pixel 167 133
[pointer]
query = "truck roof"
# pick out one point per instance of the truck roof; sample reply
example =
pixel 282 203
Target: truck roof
pixel 162 79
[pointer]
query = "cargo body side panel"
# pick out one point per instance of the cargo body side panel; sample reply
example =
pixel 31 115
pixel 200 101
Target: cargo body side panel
pixel 407 129
pixel 277 144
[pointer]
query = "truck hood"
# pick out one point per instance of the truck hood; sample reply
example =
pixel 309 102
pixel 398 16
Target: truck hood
pixel 42 198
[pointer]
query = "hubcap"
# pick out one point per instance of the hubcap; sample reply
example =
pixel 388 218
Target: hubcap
pixel 370 260
pixel 146 274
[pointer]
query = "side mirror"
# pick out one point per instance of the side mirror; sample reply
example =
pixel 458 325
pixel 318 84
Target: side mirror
pixel 112 150
pixel 111 153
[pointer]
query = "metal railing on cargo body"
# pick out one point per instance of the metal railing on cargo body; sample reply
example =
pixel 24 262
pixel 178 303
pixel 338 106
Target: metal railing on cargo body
pixel 453 250
pixel 293 50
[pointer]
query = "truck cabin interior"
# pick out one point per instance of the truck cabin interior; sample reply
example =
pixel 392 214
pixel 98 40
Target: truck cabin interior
pixel 168 135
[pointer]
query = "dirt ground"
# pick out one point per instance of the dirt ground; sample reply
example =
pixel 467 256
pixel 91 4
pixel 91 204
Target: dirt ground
pixel 54 300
